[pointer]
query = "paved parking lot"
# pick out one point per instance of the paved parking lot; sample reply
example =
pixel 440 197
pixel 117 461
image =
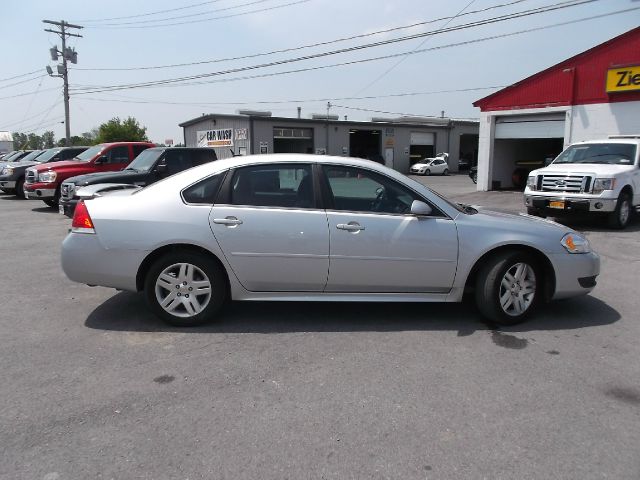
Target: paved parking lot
pixel 95 387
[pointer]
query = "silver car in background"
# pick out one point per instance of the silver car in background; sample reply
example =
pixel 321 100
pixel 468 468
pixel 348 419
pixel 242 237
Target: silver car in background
pixel 317 228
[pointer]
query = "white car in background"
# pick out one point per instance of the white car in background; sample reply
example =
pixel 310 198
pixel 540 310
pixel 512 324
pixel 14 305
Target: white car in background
pixel 431 166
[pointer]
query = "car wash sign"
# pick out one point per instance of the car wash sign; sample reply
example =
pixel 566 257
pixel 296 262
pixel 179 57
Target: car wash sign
pixel 215 138
pixel 624 79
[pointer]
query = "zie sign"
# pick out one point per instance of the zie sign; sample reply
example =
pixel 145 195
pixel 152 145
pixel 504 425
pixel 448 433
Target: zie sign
pixel 623 79
pixel 215 138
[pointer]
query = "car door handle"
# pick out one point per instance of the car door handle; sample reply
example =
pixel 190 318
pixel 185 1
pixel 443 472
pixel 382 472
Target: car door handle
pixel 229 221
pixel 350 227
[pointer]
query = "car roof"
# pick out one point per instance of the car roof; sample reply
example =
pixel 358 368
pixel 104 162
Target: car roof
pixel 632 141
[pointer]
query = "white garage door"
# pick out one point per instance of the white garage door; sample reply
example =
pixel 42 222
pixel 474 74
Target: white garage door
pixel 530 126
pixel 422 138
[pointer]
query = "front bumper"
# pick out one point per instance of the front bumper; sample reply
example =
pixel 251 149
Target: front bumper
pixel 7 184
pixel 417 171
pixel 68 207
pixel 570 204
pixel 39 191
pixel 575 273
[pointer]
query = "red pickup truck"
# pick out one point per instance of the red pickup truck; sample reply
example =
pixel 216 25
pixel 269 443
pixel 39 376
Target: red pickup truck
pixel 42 182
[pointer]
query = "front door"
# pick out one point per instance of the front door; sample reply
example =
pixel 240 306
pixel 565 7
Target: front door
pixel 271 232
pixel 377 245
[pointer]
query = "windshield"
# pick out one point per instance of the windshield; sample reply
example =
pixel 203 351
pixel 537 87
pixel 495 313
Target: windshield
pixel 89 154
pixel 603 153
pixel 31 156
pixel 9 156
pixel 145 160
pixel 48 155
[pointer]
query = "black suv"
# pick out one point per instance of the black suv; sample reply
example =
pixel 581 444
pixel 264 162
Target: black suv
pixel 12 174
pixel 151 165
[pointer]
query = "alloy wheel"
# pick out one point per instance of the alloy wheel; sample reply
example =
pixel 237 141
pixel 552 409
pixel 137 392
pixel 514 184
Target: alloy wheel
pixel 183 290
pixel 517 289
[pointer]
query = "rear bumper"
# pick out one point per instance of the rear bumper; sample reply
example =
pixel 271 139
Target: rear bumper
pixel 571 204
pixel 85 260
pixel 575 273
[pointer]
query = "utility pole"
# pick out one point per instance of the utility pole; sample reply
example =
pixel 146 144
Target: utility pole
pixel 68 54
pixel 327 125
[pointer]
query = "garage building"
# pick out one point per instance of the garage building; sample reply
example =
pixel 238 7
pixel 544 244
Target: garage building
pixel 590 96
pixel 396 142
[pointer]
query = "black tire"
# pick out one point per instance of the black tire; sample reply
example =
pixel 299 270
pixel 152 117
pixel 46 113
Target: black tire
pixel 20 188
pixel 214 273
pixel 446 171
pixel 474 177
pixel 621 216
pixel 489 288
pixel 55 201
pixel 427 172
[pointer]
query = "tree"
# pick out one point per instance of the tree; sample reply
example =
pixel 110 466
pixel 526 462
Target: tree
pixel 48 139
pixel 116 130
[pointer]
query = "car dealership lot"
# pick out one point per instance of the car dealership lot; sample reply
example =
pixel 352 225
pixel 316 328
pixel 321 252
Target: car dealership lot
pixel 96 387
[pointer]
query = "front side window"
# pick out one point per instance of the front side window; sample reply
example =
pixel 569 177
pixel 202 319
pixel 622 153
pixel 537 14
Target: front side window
pixel 359 190
pixel 90 153
pixel 288 186
pixel 178 160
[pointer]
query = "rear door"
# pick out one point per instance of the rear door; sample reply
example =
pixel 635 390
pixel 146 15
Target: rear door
pixel 271 229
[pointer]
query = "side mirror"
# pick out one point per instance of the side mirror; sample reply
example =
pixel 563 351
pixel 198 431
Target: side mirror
pixel 420 208
pixel 101 159
pixel 161 168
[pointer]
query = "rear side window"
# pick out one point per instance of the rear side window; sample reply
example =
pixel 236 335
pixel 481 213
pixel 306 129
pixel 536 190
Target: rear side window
pixel 118 154
pixel 204 192
pixel 138 148
pixel 178 160
pixel 203 156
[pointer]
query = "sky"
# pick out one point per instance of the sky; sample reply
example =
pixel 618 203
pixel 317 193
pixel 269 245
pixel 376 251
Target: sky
pixel 446 71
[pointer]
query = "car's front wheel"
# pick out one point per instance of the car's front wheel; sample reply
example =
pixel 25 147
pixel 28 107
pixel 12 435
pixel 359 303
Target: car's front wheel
pixel 185 289
pixel 508 287
pixel 621 216
pixel 20 188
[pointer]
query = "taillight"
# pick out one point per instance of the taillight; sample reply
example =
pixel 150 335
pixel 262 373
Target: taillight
pixel 82 222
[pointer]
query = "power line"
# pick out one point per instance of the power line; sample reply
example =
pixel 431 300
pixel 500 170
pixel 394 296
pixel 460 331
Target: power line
pixel 311 45
pixel 393 113
pixel 339 51
pixel 366 60
pixel 277 102
pixel 170 19
pixel 25 94
pixel 150 13
pixel 250 12
pixel 402 59
pixel 39 77
pixel 13 125
pixel 21 75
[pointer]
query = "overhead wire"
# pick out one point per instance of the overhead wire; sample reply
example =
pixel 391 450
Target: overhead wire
pixel 186 79
pixel 222 17
pixel 25 94
pixel 157 12
pixel 302 47
pixel 21 75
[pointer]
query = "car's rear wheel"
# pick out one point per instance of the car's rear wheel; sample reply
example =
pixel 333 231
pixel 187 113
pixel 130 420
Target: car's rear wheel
pixel 621 216
pixel 185 289
pixel 508 287
pixel 427 172
pixel 446 171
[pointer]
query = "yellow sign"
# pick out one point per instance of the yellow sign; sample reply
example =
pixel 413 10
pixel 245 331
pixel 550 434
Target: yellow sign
pixel 624 79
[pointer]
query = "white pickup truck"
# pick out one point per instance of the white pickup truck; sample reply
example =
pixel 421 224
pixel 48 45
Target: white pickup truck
pixel 596 176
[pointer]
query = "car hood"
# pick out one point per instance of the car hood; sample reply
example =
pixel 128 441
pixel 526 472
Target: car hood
pixel 20 164
pixel 597 169
pixel 421 164
pixel 100 189
pixel 59 165
pixel 518 221
pixel 103 177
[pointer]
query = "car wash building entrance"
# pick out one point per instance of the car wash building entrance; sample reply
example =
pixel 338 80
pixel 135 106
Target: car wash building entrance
pixel 292 140
pixel 365 144
pixel 421 145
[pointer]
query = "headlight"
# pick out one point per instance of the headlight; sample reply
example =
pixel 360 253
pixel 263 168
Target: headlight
pixel 47 177
pixel 531 182
pixel 7 171
pixel 602 184
pixel 575 243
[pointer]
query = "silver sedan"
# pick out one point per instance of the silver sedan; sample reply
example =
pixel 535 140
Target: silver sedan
pixel 317 228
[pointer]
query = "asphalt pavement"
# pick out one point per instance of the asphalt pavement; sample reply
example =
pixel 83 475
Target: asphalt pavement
pixel 93 386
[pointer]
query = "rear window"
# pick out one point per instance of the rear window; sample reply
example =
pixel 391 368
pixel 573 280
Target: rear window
pixel 204 192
